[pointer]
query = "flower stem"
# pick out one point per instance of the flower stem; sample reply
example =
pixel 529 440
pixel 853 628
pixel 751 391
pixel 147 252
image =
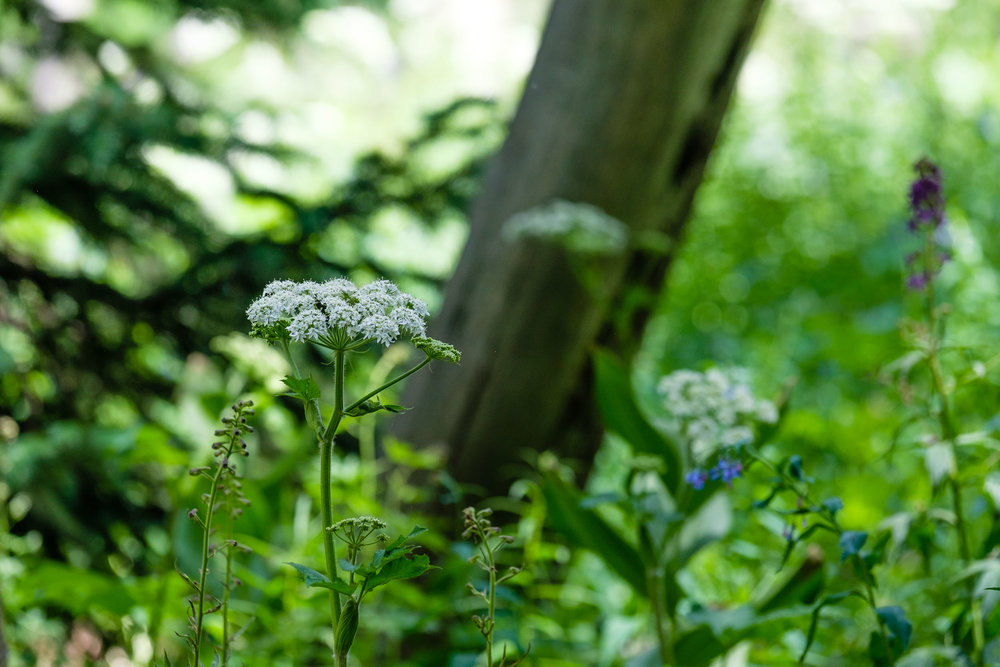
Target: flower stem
pixel 326 491
pixel 386 385
pixel 205 547
pixel 948 433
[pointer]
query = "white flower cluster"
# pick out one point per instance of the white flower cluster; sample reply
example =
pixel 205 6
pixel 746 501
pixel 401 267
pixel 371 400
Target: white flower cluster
pixel 340 311
pixel 576 226
pixel 713 409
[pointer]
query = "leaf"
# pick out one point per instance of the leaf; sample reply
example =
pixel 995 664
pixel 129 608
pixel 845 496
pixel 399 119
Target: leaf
pixel 585 528
pixel 895 619
pixel 304 389
pixel 851 542
pixel 403 568
pixel 833 505
pixel 417 530
pixel 991 485
pixel 761 504
pixel 309 575
pixel 314 579
pixel 833 598
pixel 621 414
pixel 698 647
pixel 598 499
pixel 795 467
pixel 939 459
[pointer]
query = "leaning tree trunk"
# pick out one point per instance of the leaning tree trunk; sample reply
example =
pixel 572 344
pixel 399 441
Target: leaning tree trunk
pixel 620 111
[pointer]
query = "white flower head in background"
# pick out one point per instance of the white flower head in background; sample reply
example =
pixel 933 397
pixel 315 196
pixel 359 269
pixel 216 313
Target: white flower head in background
pixel 713 410
pixel 336 314
pixel 578 227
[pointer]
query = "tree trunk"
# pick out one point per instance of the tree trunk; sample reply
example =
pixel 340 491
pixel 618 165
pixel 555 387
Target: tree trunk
pixel 620 111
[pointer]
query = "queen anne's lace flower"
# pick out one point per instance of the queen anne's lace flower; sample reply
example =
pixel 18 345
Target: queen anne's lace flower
pixel 712 411
pixel 337 313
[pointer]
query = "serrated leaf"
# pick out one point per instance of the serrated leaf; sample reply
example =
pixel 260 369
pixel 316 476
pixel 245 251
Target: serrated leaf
pixel 851 542
pixel 309 575
pixel 304 389
pixel 621 414
pixel 895 619
pixel 402 568
pixel 417 530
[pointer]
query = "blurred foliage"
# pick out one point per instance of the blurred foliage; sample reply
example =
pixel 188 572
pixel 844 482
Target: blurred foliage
pixel 124 275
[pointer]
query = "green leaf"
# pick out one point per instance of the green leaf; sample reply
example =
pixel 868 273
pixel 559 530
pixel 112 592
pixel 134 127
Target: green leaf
pixel 851 542
pixel 939 459
pixel 761 504
pixel 304 389
pixel 338 585
pixel 833 598
pixel 417 530
pixel 795 467
pixel 895 619
pixel 833 505
pixel 585 528
pixel 402 568
pixel 621 414
pixel 698 647
pixel 309 575
pixel 315 579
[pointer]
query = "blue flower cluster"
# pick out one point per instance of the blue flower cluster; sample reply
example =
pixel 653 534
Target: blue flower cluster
pixel 726 470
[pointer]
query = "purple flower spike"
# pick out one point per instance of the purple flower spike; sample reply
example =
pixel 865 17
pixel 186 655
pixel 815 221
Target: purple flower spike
pixel 918 281
pixel 926 197
pixel 696 478
pixel 726 470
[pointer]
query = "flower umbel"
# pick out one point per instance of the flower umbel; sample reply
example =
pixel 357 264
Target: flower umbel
pixel 337 313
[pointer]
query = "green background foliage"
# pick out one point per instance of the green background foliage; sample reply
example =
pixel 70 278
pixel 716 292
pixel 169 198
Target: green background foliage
pixel 138 220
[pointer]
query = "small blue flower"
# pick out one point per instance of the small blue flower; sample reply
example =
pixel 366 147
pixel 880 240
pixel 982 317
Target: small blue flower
pixel 727 470
pixel 696 478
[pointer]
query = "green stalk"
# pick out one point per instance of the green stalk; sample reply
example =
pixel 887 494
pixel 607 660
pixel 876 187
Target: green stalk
pixel 654 579
pixel 326 491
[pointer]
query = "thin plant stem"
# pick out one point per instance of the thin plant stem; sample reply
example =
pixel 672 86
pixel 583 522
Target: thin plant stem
pixel 386 385
pixel 491 603
pixel 654 580
pixel 225 592
pixel 948 433
pixel 205 546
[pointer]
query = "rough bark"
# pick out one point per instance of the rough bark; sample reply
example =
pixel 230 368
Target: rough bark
pixel 621 110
